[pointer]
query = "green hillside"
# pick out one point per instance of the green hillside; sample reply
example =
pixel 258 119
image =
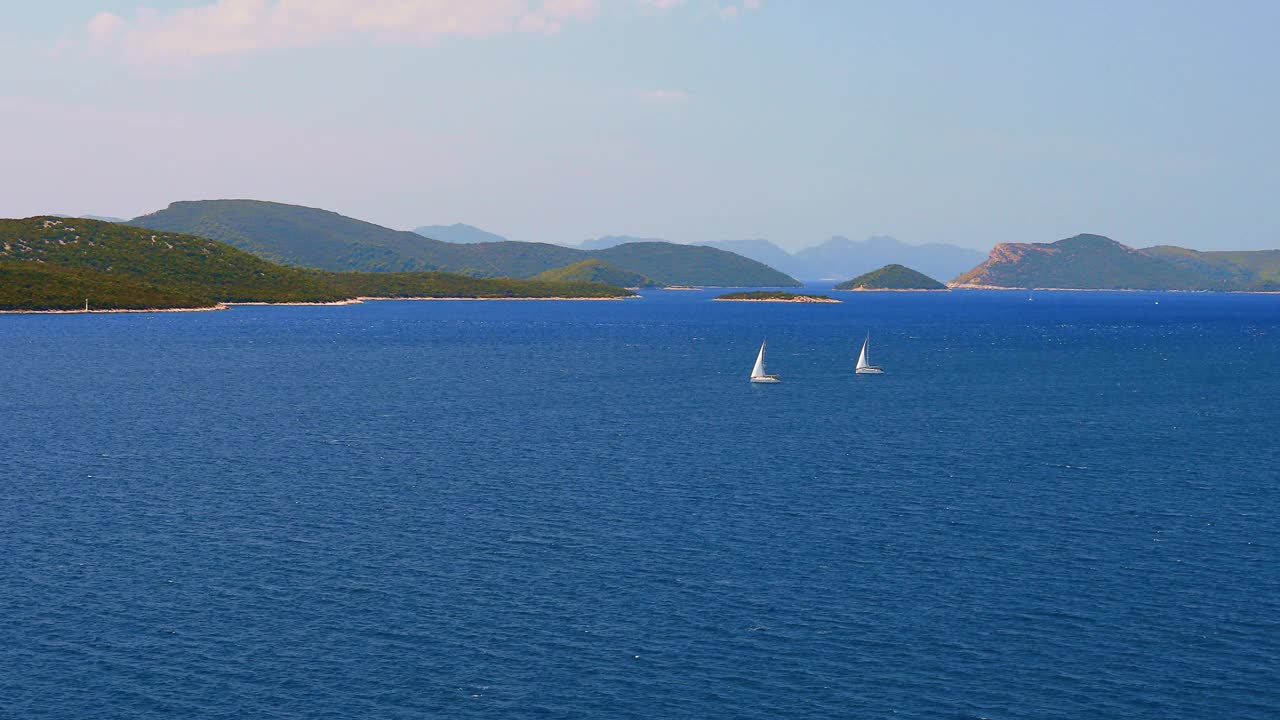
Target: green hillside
pixel 892 277
pixel 596 271
pixel 309 237
pixel 295 235
pixel 1257 270
pixel 35 286
pixel 47 263
pixel 509 259
pixel 190 267
pixel 1092 262
pixel 1263 265
pixel 672 264
pixel 453 285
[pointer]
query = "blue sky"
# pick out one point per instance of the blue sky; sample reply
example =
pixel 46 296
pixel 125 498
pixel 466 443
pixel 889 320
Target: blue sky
pixel 969 123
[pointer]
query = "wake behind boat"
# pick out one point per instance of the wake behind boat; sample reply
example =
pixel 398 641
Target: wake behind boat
pixel 864 364
pixel 758 375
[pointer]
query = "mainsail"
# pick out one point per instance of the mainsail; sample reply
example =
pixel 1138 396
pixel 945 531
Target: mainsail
pixel 758 370
pixel 862 356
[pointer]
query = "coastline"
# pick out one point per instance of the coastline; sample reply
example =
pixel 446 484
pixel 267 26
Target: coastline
pixel 1124 290
pixel 378 299
pixel 779 300
pixel 803 300
pixel 349 301
pixel 211 308
pixel 867 289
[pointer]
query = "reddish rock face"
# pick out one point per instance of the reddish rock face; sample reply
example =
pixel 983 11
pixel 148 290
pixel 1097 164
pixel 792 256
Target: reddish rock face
pixel 1016 252
pixel 1095 262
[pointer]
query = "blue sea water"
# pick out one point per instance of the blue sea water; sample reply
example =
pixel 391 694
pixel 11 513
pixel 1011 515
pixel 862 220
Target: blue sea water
pixel 1064 508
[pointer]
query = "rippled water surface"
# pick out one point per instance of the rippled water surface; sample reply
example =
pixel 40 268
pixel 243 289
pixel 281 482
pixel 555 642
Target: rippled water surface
pixel 1064 508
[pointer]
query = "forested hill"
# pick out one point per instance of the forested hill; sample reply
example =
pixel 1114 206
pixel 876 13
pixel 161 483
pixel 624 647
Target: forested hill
pixel 186 266
pixel 293 235
pixel 309 237
pixel 892 277
pixel 673 264
pixel 596 270
pixel 50 263
pixel 1095 262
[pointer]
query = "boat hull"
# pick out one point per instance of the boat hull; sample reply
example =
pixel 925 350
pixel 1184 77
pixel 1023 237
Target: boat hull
pixel 766 379
pixel 870 371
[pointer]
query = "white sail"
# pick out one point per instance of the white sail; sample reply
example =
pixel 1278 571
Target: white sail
pixel 758 370
pixel 862 356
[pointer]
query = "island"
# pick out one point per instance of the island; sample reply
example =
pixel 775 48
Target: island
pixel 892 277
pixel 599 271
pixel 299 236
pixel 775 296
pixel 52 264
pixel 1095 262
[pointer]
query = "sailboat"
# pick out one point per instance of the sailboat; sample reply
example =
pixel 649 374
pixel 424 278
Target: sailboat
pixel 864 366
pixel 758 374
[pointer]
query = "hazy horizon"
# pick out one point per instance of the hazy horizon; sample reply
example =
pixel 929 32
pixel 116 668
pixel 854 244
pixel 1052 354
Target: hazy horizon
pixel 687 120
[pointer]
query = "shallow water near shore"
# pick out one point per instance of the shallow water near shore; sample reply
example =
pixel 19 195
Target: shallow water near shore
pixel 1062 508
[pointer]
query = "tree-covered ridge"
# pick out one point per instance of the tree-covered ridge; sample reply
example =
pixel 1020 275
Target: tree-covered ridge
pixel 1094 262
pixel 294 235
pixel 673 264
pixel 453 285
pixel 596 271
pixel 34 286
pixel 50 263
pixel 1255 270
pixel 314 238
pixel 184 264
pixel 892 277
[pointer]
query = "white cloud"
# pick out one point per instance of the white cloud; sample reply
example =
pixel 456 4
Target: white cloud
pixel 729 10
pixel 104 25
pixel 225 27
pixel 732 11
pixel 231 26
pixel 570 9
pixel 661 95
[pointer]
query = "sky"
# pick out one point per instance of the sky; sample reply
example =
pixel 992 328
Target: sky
pixel 692 120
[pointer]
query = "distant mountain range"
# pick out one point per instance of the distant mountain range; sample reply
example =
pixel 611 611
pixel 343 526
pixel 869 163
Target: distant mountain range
pixel 103 218
pixel 608 241
pixel 841 258
pixel 458 233
pixel 1094 262
pixel 198 254
pixel 765 252
pixel 834 259
pixel 310 237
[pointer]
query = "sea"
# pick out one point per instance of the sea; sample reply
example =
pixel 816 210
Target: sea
pixel 1055 506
